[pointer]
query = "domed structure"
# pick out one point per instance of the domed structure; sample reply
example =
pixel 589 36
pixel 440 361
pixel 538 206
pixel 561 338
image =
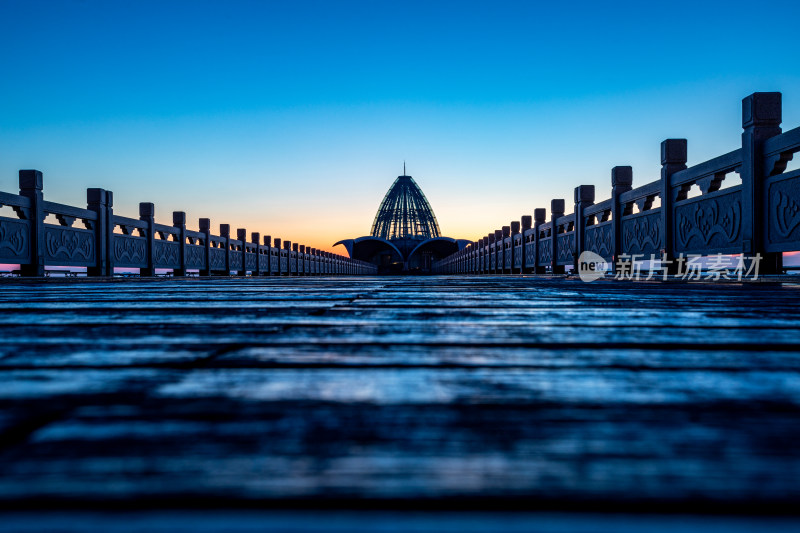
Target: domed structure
pixel 405 213
pixel 405 235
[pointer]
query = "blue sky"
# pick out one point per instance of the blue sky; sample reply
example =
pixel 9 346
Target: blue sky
pixel 293 118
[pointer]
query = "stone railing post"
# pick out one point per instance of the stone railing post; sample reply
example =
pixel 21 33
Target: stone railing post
pixel 527 222
pixel 489 247
pixel 31 184
pixel 476 257
pixel 506 233
pixel 673 159
pixel 205 229
pixel 498 254
pixel 481 256
pixel 474 254
pixel 514 233
pixel 470 262
pixel 241 236
pixel 287 245
pixel 539 218
pixel 179 221
pixel 279 248
pixel 268 244
pixel 621 182
pixel 225 233
pixel 584 197
pixel 110 231
pixel 255 238
pixel 97 201
pixel 147 214
pixel 556 212
pixel 761 119
pixel 301 260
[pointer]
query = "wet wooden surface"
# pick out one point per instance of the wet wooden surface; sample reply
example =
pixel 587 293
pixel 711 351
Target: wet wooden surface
pixel 408 392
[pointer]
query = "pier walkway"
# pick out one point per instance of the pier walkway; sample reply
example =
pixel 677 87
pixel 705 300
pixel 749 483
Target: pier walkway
pixel 406 393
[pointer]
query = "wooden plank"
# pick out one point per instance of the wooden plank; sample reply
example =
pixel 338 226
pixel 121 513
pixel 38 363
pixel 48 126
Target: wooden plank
pixel 528 391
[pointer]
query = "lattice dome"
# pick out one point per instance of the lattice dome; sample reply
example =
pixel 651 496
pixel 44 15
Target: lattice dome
pixel 405 213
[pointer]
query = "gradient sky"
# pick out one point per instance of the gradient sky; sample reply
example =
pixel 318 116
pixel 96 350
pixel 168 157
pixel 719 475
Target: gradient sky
pixel 293 118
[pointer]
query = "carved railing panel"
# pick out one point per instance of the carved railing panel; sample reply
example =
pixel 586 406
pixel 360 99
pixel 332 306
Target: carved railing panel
pixel 274 263
pixel 566 248
pixel 599 239
pixel 235 254
pixel 783 195
pixel 710 223
pixel 529 244
pixel 65 245
pixel 195 256
pixel 530 253
pixel 68 246
pixel 782 192
pixel 235 259
pixel 250 260
pixel 216 255
pixel 545 252
pixel 263 261
pixel 15 233
pixel 15 240
pixel 129 251
pixel 166 254
pixel 641 233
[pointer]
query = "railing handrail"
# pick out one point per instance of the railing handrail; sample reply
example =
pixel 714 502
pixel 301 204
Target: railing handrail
pixel 725 162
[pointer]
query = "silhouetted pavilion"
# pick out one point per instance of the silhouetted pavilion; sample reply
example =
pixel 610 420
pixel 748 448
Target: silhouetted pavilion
pixel 405 235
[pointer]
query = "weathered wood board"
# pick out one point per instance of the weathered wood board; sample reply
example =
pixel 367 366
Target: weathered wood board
pixel 530 393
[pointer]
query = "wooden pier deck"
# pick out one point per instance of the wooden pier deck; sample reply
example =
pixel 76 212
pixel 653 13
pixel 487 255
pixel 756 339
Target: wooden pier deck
pixel 411 393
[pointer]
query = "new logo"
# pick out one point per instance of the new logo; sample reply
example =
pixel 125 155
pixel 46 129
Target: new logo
pixel 591 266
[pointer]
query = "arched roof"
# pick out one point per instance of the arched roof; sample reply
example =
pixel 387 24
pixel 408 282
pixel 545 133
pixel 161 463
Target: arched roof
pixel 368 244
pixel 449 244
